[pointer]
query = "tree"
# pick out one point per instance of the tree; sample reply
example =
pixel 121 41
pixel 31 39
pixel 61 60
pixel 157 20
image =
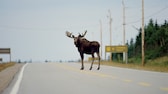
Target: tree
pixel 131 48
pixel 156 41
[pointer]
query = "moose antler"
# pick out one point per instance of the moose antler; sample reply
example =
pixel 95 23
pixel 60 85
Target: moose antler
pixel 68 34
pixel 83 34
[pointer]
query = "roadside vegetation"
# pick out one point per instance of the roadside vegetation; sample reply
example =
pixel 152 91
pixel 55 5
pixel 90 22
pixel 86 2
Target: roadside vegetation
pixel 156 49
pixel 156 42
pixel 158 65
pixel 6 65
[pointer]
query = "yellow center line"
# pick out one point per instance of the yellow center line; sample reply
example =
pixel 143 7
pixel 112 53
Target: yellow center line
pixel 164 88
pixel 127 80
pixel 88 72
pixel 144 84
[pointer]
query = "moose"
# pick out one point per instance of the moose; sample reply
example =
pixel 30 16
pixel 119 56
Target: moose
pixel 85 47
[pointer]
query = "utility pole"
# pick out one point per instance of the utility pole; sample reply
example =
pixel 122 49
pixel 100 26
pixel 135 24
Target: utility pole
pixel 143 35
pixel 123 22
pixel 101 38
pixel 110 29
pixel 124 53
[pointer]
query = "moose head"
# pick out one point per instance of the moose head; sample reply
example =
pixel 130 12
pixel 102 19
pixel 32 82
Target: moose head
pixel 85 46
pixel 77 39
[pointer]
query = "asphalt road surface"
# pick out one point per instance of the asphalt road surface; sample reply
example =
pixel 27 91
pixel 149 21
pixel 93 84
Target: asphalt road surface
pixel 67 78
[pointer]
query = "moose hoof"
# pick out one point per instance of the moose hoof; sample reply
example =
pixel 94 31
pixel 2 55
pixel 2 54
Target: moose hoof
pixel 82 68
pixel 98 68
pixel 90 68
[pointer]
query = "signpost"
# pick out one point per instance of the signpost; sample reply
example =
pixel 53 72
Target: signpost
pixel 117 49
pixel 5 51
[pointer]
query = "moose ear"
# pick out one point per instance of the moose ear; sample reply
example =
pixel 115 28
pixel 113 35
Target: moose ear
pixel 73 36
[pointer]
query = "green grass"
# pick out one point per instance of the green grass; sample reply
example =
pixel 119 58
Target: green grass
pixel 162 62
pixel 159 64
pixel 6 65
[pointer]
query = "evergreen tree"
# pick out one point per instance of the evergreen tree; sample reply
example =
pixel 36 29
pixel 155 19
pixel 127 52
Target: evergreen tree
pixel 156 41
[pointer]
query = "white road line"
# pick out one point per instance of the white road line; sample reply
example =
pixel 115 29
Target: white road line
pixel 17 84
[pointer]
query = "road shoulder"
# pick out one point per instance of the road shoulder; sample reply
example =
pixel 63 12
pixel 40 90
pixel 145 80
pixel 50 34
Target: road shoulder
pixel 7 75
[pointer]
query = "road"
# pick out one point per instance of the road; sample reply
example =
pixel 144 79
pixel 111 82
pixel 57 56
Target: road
pixel 67 78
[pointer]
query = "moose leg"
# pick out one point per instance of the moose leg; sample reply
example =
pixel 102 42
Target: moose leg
pixel 92 61
pixel 82 57
pixel 99 60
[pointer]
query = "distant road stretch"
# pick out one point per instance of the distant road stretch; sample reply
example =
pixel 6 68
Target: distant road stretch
pixel 67 78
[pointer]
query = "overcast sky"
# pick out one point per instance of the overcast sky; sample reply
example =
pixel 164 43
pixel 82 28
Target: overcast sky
pixel 35 29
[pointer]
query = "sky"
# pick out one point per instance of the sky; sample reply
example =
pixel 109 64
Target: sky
pixel 35 29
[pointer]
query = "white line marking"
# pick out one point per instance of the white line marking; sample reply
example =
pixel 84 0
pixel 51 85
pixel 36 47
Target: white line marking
pixel 17 84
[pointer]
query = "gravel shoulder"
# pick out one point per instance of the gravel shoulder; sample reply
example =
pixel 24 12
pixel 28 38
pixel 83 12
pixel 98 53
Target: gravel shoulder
pixel 7 75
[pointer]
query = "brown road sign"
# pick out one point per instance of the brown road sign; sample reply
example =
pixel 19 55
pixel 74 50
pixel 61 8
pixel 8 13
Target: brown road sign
pixel 4 50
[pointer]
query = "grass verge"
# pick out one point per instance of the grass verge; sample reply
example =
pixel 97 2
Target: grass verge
pixel 136 66
pixel 6 65
pixel 158 65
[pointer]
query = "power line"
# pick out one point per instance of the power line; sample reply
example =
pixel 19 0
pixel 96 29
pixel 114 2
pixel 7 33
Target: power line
pixel 154 14
pixel 158 12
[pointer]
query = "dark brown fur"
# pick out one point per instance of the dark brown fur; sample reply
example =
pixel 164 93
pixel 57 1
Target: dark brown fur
pixel 86 47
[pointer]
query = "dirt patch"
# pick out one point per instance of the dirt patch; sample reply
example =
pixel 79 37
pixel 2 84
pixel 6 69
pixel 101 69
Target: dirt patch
pixel 7 75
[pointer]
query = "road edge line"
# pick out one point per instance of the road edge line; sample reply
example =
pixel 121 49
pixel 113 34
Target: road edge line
pixel 17 84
